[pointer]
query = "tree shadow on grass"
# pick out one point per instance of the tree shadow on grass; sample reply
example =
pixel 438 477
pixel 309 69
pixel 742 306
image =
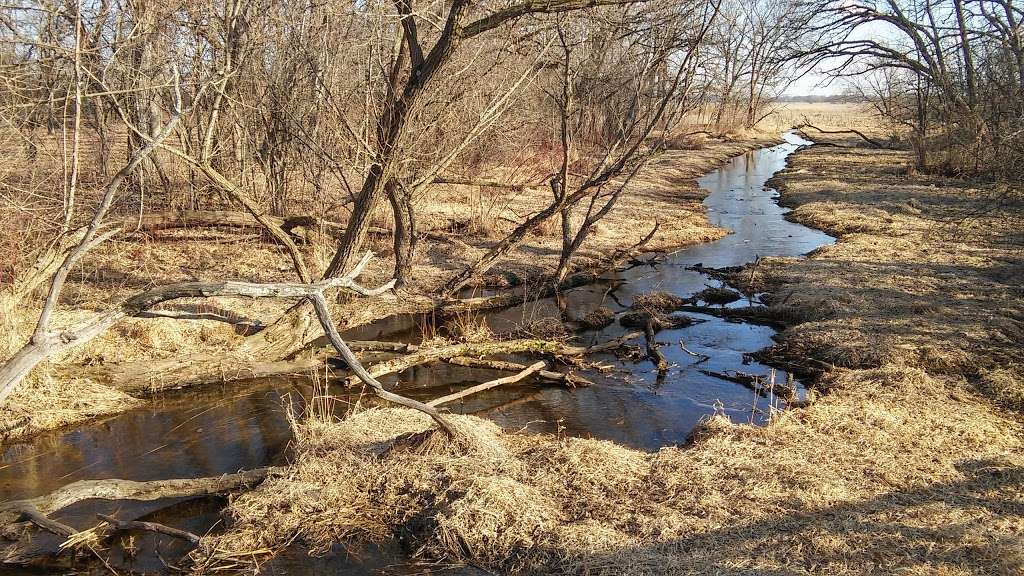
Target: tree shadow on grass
pixel 968 526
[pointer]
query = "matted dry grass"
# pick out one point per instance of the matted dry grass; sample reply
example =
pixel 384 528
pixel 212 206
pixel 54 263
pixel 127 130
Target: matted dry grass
pixel 902 468
pixel 927 272
pixel 895 471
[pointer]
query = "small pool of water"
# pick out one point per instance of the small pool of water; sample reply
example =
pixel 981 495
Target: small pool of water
pixel 240 426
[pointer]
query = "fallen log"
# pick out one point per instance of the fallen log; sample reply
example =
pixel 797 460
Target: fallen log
pixel 862 136
pixel 136 379
pixel 488 349
pixel 114 489
pixel 759 384
pixel 148 526
pixel 653 349
pixel 531 369
pixel 33 515
pixel 561 377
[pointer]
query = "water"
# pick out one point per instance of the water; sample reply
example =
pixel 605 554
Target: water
pixel 240 426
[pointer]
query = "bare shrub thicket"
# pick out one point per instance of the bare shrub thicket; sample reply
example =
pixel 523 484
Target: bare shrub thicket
pixel 950 71
pixel 123 115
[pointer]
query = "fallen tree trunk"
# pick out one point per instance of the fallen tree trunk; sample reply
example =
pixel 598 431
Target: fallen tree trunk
pixel 489 349
pixel 531 369
pixel 870 141
pixel 653 349
pixel 139 379
pixel 140 382
pixel 568 379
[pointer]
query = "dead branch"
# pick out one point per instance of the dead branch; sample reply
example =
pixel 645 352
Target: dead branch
pixel 322 312
pixel 148 526
pixel 531 369
pixel 653 349
pixel 489 349
pixel 568 379
pixel 31 514
pixel 870 141
pixel 758 384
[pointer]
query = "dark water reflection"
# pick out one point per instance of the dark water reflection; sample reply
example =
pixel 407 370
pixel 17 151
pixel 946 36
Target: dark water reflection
pixel 226 429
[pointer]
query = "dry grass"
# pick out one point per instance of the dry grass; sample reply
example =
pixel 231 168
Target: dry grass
pixel 926 273
pixel 888 456
pixel 902 468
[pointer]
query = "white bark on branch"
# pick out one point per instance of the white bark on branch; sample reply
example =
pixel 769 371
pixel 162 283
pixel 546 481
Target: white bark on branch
pixel 51 343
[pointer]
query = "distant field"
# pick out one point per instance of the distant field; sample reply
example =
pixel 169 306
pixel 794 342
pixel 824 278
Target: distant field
pixel 829 116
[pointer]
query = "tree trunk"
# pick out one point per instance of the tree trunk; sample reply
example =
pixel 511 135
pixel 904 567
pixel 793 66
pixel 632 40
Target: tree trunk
pixel 404 233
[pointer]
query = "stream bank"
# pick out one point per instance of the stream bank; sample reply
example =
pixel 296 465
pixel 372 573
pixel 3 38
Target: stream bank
pixel 907 449
pixel 77 390
pixel 735 497
pixel 201 433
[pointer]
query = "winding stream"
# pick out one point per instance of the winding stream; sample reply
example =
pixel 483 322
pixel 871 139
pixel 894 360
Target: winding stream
pixel 242 426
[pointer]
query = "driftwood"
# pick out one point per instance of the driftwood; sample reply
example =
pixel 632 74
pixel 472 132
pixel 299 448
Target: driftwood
pixel 531 369
pixel 149 526
pixel 552 376
pixel 115 489
pixel 424 356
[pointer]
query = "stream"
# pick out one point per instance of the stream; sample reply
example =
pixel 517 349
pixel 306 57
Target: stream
pixel 241 426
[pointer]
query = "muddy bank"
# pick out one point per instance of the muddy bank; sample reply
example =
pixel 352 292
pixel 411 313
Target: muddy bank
pixel 901 467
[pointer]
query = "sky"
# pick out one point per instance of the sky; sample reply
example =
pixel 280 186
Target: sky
pixel 815 84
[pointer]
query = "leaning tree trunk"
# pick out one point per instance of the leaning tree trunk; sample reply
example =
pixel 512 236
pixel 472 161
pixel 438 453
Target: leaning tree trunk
pixel 404 233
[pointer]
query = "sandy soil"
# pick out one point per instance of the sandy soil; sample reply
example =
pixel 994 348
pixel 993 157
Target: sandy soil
pixel 665 191
pixel 907 464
